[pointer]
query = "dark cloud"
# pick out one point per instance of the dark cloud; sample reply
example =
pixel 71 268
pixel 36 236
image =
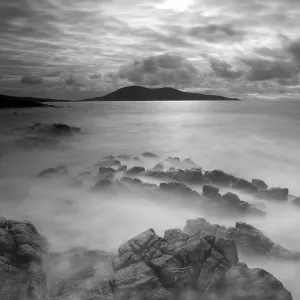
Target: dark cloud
pixel 224 69
pixel 158 70
pixel 31 79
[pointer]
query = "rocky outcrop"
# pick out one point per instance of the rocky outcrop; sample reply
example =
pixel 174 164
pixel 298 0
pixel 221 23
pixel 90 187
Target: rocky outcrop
pixel 261 185
pixel 279 194
pixel 135 170
pixel 57 130
pixel 234 201
pixel 244 185
pixel 220 178
pixel 249 240
pixel 178 189
pixel 22 251
pixel 150 155
pixel 53 172
pixel 211 192
pixel 108 162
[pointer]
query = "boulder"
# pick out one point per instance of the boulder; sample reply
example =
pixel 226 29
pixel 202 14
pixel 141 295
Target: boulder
pixel 122 168
pixel 106 171
pixel 53 172
pixel 103 184
pixel 135 170
pixel 244 185
pixel 109 161
pixel 220 178
pixel 261 185
pixel 279 194
pixel 211 192
pixel 233 200
pixel 178 188
pixel 150 155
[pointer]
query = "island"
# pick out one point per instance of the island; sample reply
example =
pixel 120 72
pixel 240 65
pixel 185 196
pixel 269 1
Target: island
pixel 139 93
pixel 23 102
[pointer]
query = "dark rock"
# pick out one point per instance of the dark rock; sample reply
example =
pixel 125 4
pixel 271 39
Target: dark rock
pixel 135 170
pixel 122 168
pixel 178 188
pixel 106 171
pixel 3 222
pixel 244 283
pixel 150 155
pixel 103 184
pixel 211 192
pixel 58 171
pixel 220 178
pixel 228 249
pixel 131 181
pixel 252 241
pixel 261 185
pixel 109 161
pixel 234 201
pixel 244 185
pixel 158 167
pixel 279 194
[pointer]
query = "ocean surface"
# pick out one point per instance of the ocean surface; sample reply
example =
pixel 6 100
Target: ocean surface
pixel 251 139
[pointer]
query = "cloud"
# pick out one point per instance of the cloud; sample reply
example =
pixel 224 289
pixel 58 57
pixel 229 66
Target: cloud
pixel 224 69
pixel 31 79
pixel 165 69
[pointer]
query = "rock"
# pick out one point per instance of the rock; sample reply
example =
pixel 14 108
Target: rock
pixel 253 242
pixel 131 181
pixel 158 167
pixel 51 172
pixel 150 155
pixel 244 283
pixel 234 201
pixel 279 194
pixel 261 185
pixel 228 249
pixel 137 159
pixel 122 168
pixel 188 161
pixel 191 176
pixel 135 170
pixel 295 201
pixel 106 171
pixel 21 270
pixel 178 188
pixel 108 161
pixel 220 178
pixel 103 184
pixel 244 185
pixel 3 223
pixel 211 192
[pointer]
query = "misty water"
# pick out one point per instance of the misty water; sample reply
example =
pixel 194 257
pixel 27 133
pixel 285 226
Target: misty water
pixel 249 139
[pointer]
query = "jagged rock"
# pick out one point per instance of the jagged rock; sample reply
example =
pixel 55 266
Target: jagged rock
pixel 106 171
pixel 178 188
pixel 135 170
pixel 228 249
pixel 21 271
pixel 244 283
pixel 211 192
pixel 108 161
pixel 58 171
pixel 244 185
pixel 150 155
pixel 261 185
pixel 280 194
pixel 234 201
pixel 252 241
pixel 220 178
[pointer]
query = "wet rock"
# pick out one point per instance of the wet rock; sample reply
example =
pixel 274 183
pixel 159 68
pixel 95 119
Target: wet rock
pixel 150 155
pixel 53 172
pixel 211 192
pixel 252 241
pixel 178 188
pixel 106 171
pixel 220 178
pixel 135 170
pixel 234 201
pixel 244 185
pixel 279 194
pixel 261 185
pixel 103 184
pixel 122 168
pixel 244 283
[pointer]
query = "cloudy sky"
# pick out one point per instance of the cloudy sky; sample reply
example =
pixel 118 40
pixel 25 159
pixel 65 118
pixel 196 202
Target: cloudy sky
pixel 77 49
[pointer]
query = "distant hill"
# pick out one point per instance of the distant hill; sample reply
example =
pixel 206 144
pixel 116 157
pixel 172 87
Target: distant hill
pixel 139 93
pixel 23 102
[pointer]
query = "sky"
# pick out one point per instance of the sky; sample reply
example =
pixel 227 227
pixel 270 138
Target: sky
pixel 74 49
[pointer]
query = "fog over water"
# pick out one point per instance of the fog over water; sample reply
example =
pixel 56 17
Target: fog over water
pixel 248 139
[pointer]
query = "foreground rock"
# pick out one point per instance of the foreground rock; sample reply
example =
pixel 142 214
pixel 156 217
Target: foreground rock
pixel 177 266
pixel 279 194
pixel 54 172
pixel 22 250
pixel 249 240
